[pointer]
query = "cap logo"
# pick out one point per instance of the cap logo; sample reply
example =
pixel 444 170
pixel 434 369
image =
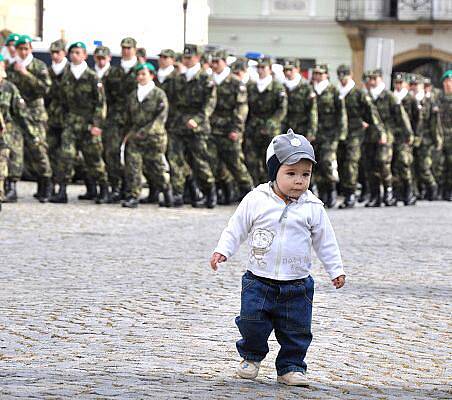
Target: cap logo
pixel 295 142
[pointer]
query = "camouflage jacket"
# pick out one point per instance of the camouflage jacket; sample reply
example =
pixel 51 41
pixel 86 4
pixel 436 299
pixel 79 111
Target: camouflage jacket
pixel 54 101
pixel 147 118
pixel 301 110
pixel 267 110
pixel 232 107
pixel 13 109
pixel 33 87
pixel 445 117
pixel 410 105
pixel 331 114
pixel 118 86
pixel 393 116
pixel 83 99
pixel 195 99
pixel 169 87
pixel 428 129
pixel 359 108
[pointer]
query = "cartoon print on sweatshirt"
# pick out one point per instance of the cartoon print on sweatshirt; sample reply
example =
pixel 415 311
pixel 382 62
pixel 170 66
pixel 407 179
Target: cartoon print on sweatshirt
pixel 261 241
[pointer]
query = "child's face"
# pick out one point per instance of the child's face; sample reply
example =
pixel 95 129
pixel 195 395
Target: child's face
pixel 293 180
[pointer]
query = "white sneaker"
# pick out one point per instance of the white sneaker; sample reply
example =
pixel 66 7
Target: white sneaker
pixel 248 369
pixel 294 378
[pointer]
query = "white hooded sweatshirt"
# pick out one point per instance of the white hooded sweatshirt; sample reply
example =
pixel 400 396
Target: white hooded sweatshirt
pixel 280 242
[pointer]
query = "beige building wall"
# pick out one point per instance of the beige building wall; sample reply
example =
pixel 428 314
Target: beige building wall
pixel 19 16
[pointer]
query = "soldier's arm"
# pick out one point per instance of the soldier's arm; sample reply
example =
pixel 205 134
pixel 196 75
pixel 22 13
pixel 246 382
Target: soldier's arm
pixel 157 125
pixel 375 120
pixel 341 115
pixel 401 116
pixel 209 102
pixel 19 113
pixel 98 102
pixel 39 82
pixel 435 126
pixel 281 105
pixel 240 111
pixel 313 115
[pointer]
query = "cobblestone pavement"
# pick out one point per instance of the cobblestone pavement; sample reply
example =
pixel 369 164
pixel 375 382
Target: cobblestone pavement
pixel 102 302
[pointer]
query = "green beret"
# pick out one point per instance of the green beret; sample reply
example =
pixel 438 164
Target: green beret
pixel 102 51
pixel 128 42
pixel 77 45
pixel 23 39
pixel 2 58
pixel 446 75
pixel 58 45
pixel 13 37
pixel 146 65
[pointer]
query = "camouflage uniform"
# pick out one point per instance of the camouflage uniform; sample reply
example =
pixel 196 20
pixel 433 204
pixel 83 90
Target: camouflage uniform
pixel 118 85
pixel 445 118
pixel 146 146
pixel 83 102
pixel 229 116
pixel 34 87
pixel 267 111
pixel 332 119
pixel 194 99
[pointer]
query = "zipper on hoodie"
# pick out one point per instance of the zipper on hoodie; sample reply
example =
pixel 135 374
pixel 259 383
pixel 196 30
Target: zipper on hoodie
pixel 281 236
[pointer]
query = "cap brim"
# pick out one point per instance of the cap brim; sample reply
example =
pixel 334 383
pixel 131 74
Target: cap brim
pixel 294 158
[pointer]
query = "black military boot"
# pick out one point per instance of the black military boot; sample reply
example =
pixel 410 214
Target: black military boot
pixel 447 193
pixel 331 198
pixel 115 195
pixel 178 200
pixel 168 198
pixel 243 191
pixel 388 197
pixel 211 197
pixel 131 202
pixel 46 190
pixel 195 193
pixel 152 198
pixel 431 193
pixel 220 194
pixel 349 200
pixel 38 193
pixel 10 192
pixel 104 194
pixel 229 194
pixel 60 196
pixel 91 190
pixel 375 197
pixel 409 199
pixel 364 194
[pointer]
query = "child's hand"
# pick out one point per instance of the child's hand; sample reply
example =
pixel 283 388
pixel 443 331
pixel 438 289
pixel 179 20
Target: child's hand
pixel 216 259
pixel 339 281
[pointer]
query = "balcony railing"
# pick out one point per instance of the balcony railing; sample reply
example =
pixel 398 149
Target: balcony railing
pixel 396 10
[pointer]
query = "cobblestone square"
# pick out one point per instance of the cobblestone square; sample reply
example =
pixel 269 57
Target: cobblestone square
pixel 101 302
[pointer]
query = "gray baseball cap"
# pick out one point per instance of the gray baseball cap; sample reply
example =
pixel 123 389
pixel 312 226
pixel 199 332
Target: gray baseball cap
pixel 290 148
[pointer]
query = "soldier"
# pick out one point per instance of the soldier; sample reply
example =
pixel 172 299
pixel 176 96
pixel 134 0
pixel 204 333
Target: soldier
pixel 31 77
pixel 146 146
pixel 240 69
pixel 228 125
pixel 10 44
pixel 445 119
pixel 83 103
pixel 361 113
pixel 302 103
pixel 141 55
pixel 378 146
pixel 402 159
pixel 194 103
pixel 267 103
pixel 102 60
pixel 54 106
pixel 13 119
pixel 118 85
pixel 427 139
pixel 331 119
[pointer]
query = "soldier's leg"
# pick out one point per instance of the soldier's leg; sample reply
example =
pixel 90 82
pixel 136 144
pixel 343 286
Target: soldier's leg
pixel 15 142
pixel 252 157
pixel 448 171
pixel 263 144
pixel 424 167
pixel 178 164
pixel 111 138
pixel 54 142
pixel 384 161
pixel 371 167
pixel 4 155
pixel 350 168
pixel 438 169
pixel 38 149
pixel 133 169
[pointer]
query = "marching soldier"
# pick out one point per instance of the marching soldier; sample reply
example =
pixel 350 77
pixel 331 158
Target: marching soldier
pixel 31 77
pixel 83 103
pixel 267 103
pixel 195 100
pixel 402 160
pixel 146 146
pixel 361 113
pixel 445 119
pixel 378 147
pixel 228 125
pixel 121 81
pixel 331 126
pixel 302 103
pixel 54 106
pixel 10 44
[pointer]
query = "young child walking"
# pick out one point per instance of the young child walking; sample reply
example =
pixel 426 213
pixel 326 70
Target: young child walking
pixel 282 220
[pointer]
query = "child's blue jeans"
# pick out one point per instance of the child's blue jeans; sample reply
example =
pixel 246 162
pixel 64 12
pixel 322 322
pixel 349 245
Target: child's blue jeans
pixel 285 307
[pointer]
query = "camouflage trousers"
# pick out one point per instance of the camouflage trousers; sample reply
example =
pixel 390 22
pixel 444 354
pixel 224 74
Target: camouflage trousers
pixel 112 137
pixel 377 164
pixel 227 156
pixel 76 138
pixel 4 155
pixel 349 155
pixel 15 142
pixel 190 148
pixel 177 162
pixel 402 162
pixel 326 174
pixel 146 156
pixel 54 143
pixel 255 153
pixel 438 165
pixel 448 164
pixel 35 145
pixel 423 165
